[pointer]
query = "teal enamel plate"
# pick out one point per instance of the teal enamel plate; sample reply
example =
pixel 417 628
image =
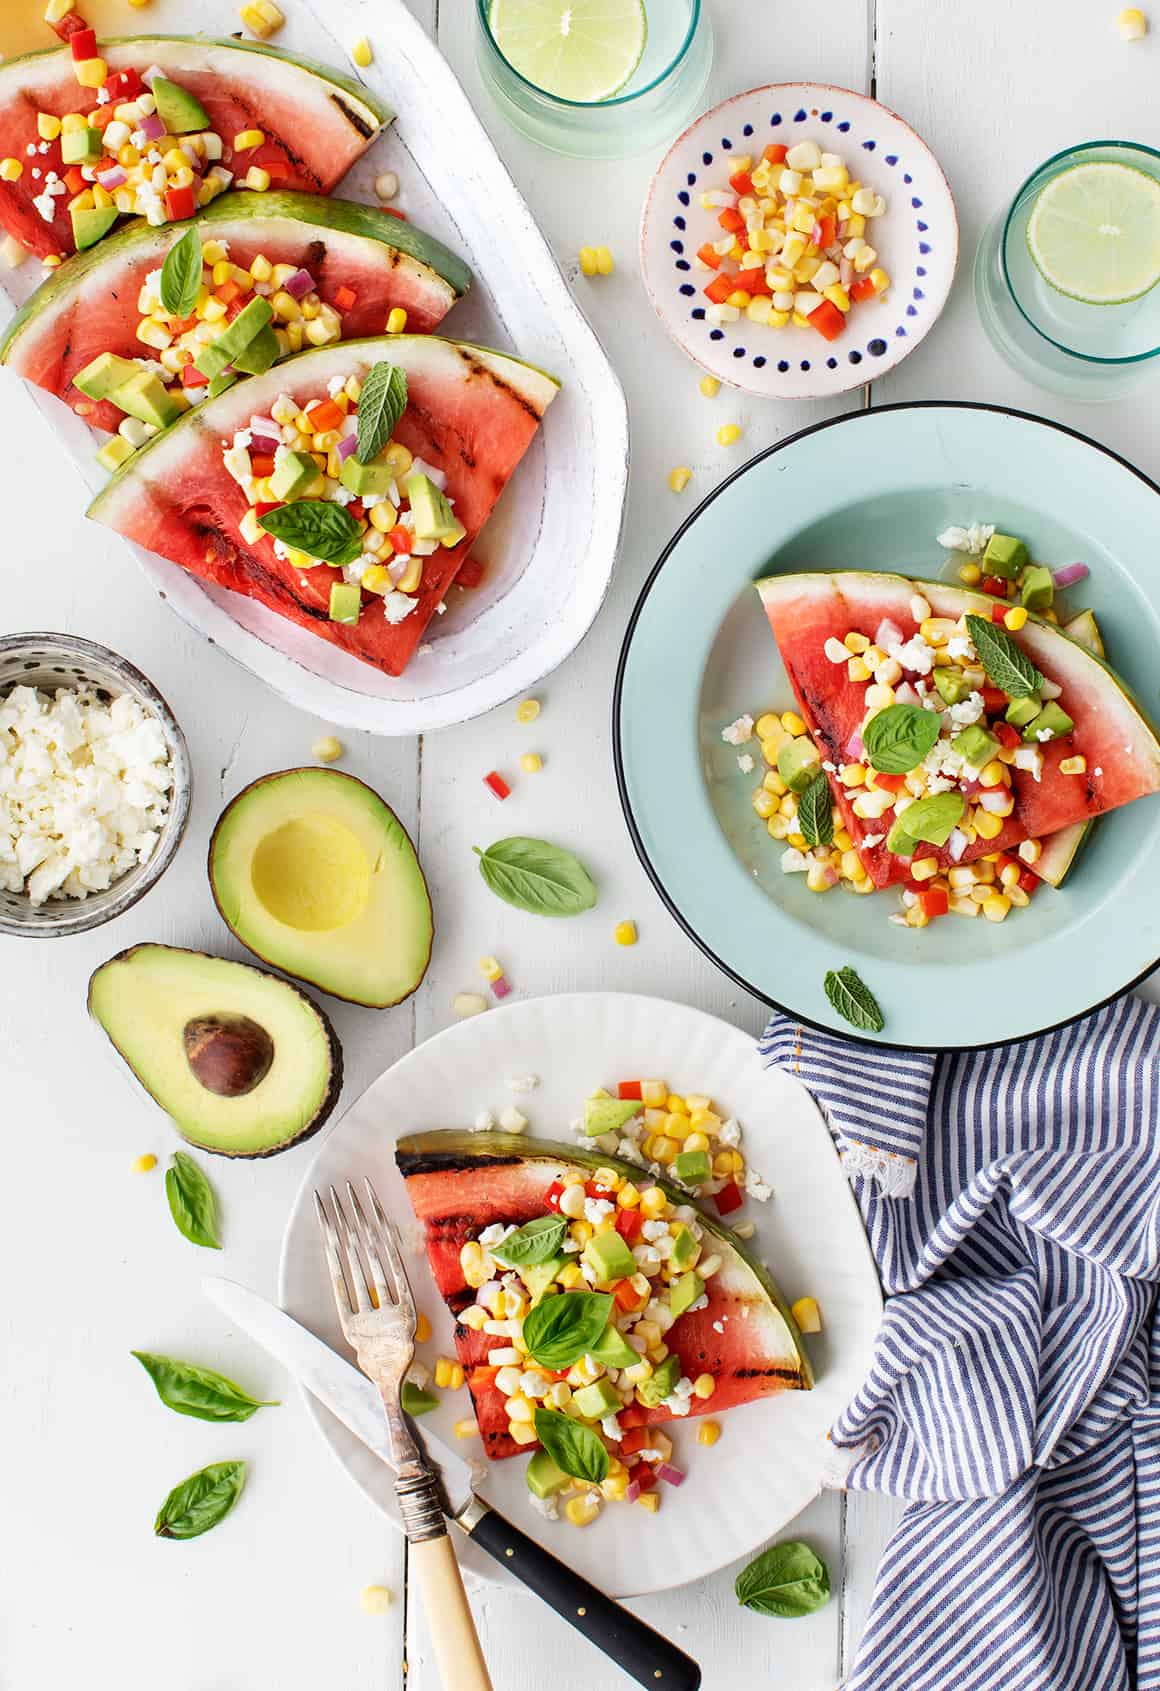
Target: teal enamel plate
pixel 872 491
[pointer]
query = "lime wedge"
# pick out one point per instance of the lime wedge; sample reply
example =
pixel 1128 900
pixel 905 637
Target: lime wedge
pixel 585 50
pixel 1094 233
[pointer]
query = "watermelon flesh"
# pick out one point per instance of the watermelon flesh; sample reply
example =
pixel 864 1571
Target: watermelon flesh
pixel 89 305
pixel 1120 746
pixel 460 1184
pixel 471 413
pixel 317 122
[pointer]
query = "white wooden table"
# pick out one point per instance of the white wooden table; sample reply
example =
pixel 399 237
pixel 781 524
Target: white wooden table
pixel 88 1594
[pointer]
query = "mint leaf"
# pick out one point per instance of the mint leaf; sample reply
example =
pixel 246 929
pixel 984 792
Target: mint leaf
pixel 537 1241
pixel 1007 666
pixel 573 1447
pixel 316 526
pixel 786 1580
pixel 853 1000
pixel 181 274
pixel 815 815
pixel 534 875
pixel 380 405
pixel 898 738
pixel 192 1203
pixel 564 1327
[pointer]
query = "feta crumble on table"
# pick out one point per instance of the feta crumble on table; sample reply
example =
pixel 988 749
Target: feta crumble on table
pixel 972 539
pixel 85 787
pixel 738 732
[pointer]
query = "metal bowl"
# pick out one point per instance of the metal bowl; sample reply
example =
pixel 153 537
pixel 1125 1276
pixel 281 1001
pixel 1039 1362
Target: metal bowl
pixel 52 661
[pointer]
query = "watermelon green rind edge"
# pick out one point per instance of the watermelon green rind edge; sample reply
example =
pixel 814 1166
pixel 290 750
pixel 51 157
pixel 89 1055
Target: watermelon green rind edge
pixel 1061 849
pixel 127 471
pixel 379 113
pixel 455 1149
pixel 347 217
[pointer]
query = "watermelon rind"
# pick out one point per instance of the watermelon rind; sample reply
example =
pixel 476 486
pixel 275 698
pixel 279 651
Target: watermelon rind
pixel 1060 850
pixel 449 1149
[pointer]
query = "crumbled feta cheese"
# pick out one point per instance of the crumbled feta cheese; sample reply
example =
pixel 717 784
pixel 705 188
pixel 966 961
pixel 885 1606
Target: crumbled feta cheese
pixel 654 1230
pixel 595 1210
pixel 972 539
pixel 718 1326
pixel 512 1121
pixel 730 1133
pixel 1043 735
pixel 758 1188
pixel 969 710
pixel 524 1083
pixel 738 732
pixel 492 1235
pixel 610 1427
pixel 914 654
pixel 398 606
pixel 746 764
pixel 873 840
pixel 545 1506
pixel 960 646
pixel 1029 758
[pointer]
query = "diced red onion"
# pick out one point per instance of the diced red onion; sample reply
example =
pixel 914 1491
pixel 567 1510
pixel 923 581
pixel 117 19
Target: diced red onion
pixel 889 634
pixel 265 426
pixel 1070 574
pixel 671 1475
pixel 846 272
pixel 633 1491
pixel 957 843
pixel 854 746
pixel 347 445
pixel 114 178
pixel 501 987
pixel 152 127
pixel 264 443
pixel 299 285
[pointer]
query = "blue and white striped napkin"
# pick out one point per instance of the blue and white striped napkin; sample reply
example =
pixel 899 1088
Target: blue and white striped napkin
pixel 1012 1200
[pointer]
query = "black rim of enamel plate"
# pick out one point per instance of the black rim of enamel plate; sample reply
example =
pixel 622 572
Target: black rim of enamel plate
pixel 850 417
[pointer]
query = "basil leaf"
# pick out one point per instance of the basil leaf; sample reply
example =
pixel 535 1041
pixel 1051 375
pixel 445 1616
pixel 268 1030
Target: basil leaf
pixel 181 274
pixel 898 738
pixel 192 1203
pixel 932 819
pixel 544 879
pixel 1005 664
pixel 815 814
pixel 853 1000
pixel 787 1580
pixel 380 405
pixel 574 1448
pixel 201 1392
pixel 537 1241
pixel 565 1326
pixel 317 526
pixel 201 1501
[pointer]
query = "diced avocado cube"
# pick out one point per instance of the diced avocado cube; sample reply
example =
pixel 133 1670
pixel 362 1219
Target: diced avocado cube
pixel 1051 721
pixel 684 1292
pixel 660 1383
pixel 92 225
pixel 543 1477
pixel 798 762
pixel 82 146
pixel 292 476
pixel 434 518
pixel 144 396
pixel 1021 711
pixel 220 384
pixel 104 373
pixel 975 746
pixel 609 1258
pixel 597 1400
pixel 114 452
pixel 180 111
pixel 345 602
pixel 951 685
pixel 367 481
pixel 416 1400
pixel 691 1167
pixel 1004 556
pixel 256 359
pixel 250 321
pixel 608 1115
pixel 613 1349
pixel 685 1247
pixel 1036 588
pixel 538 1276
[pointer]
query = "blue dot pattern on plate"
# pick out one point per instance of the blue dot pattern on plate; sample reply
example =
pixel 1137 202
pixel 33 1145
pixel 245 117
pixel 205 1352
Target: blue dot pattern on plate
pixel 879 345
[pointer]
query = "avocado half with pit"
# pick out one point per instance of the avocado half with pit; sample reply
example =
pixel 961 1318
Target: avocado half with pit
pixel 314 872
pixel 244 1063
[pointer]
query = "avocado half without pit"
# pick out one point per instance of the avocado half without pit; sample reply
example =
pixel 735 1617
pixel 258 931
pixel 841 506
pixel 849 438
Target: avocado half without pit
pixel 313 872
pixel 244 1063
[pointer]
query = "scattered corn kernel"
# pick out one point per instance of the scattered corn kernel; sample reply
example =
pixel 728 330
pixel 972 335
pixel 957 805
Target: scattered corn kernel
pixel 605 263
pixel 531 763
pixel 258 180
pixel 807 1315
pixel 468 1004
pixel 362 53
pixel 995 907
pixel 386 186
pixel 588 263
pixel 1132 24
pixel 261 17
pixel 528 710
pixel 142 1164
pixel 625 933
pixel 582 1510
pixel 375 1599
pixel 327 749
pixel 448 1373
pixel 680 478
pixel 710 386
pixel 728 434
pixel 91 73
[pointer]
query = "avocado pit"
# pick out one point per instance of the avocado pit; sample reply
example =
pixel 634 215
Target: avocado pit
pixel 228 1055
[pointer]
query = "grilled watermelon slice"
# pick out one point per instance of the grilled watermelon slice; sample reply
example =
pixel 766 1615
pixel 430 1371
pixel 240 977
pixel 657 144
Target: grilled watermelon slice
pixel 460 1183
pixel 316 121
pixel 89 305
pixel 1121 747
pixel 471 412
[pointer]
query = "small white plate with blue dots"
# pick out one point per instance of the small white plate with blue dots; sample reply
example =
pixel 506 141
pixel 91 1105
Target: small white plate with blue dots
pixel 915 238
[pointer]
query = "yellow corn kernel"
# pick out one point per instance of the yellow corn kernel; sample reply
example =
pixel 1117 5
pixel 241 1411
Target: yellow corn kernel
pixel 653 1093
pixel 376 579
pixel 710 386
pixel 708 1432
pixel 799 842
pixel 142 1164
pixel 852 774
pixel 247 139
pixel 605 263
pixel 250 528
pixel 91 73
pixel 257 179
pixel 362 53
pixel 650 1500
pixel 970 573
pixel 680 478
pixel 1132 24
pixel 374 1599
pixel 519 1408
pixel 625 933
pixel 792 722
pixel 653 1203
pixel 522 1433
pixel 411 576
pixel 764 803
pixel 696 1141
pixel 448 1373
pixel 581 1231
pixel 837 295
pixel 664 1149
pixel 262 18
pixel 628 1196
pixel 936 631
pixel 991 775
pixel 728 434
pixel 924 869
pixel 704 1386
pixel 615 1488
pixel 569 1275
pixel 852 866
pixel 583 1510
pixel 1015 618
pixel 807 1315
pixel 1073 766
pixel 855 642
pixel 528 709
pixel 879 697
pixel 72 123
pixel 47 126
pixel 11 170
pixel 588 266
pixel 1030 851
pixel 987 827
pixel 396 320
pixel 398 458
pixel 996 906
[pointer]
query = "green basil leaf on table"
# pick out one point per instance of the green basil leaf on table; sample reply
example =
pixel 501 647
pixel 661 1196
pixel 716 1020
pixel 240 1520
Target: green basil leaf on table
pixel 574 1448
pixel 181 274
pixel 537 1241
pixel 192 1203
pixel 201 1501
pixel 201 1392
pixel 815 814
pixel 932 819
pixel 533 875
pixel 786 1580
pixel 564 1327
pixel 853 1000
pixel 317 526
pixel 1006 665
pixel 381 403
pixel 898 738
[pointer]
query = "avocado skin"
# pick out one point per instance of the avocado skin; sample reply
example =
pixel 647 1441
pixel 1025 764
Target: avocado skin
pixel 335 1049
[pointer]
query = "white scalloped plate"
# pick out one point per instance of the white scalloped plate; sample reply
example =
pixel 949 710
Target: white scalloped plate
pixel 917 239
pixel 551 543
pixel 773 1457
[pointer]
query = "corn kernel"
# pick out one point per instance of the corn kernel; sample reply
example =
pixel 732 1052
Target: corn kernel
pixel 988 827
pixel 792 723
pixel 257 179
pixel 680 478
pixel 11 170
pixel 1030 851
pixel 527 710
pixel 247 139
pixel 361 52
pixel 411 576
pixel 374 1599
pixel 996 907
pixel 522 1433
pixel 807 1316
pixel 710 386
pixel 448 1373
pixel 858 670
pixel 704 1386
pixel 708 1432
pixel 1132 24
pixel 261 17
pixel 91 73
pixel 653 1202
pixel 605 264
pixel 650 1500
pixel 142 1164
pixel 583 1509
pixel 588 261
pixel 1073 766
pixel 1015 618
pixel 970 573
pixel 625 933
pixel 396 320
pixel 728 434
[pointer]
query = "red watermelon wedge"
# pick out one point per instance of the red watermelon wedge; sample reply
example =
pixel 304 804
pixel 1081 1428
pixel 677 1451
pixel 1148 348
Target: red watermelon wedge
pixel 460 1183
pixel 316 121
pixel 471 413
pixel 1120 747
pixel 89 305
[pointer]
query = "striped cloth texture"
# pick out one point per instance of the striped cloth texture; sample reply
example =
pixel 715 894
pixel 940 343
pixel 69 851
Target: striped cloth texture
pixel 1012 1201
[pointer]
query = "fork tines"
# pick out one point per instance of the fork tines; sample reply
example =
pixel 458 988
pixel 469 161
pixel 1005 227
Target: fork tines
pixel 362 1253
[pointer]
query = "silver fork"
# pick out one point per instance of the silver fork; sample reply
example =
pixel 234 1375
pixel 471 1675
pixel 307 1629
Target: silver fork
pixel 377 1311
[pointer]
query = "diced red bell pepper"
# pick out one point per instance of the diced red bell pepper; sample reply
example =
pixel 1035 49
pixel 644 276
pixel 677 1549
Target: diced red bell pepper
pixel 356 508
pixel 74 181
pixel 825 232
pixel 933 901
pixel 124 85
pixel 629 1091
pixel 708 256
pixel 191 377
pixel 626 1297
pixel 83 43
pixel 741 182
pixel 235 308
pixel 629 1223
pixel 470 573
pixel 497 784
pixel 720 288
pixel 827 320
pixel 68 26
pixel 393 211
pixel 863 288
pixel 261 509
pixel 326 415
pixel 179 203
pixel 754 282
pixel 995 585
pixel 889 783
pixel 228 292
pixel 994 699
pixel 635 1439
pixel 775 154
pixel 344 297
pixel 644 1476
pixel 731 221
pixel 1028 881
pixel 102 117
pixel 552 1195
pixel 593 1189
pixel 632 1417
pixel 401 539
pixel 1006 861
pixel 262 463
pixel 729 1198
pixel 998 612
pixel 1007 735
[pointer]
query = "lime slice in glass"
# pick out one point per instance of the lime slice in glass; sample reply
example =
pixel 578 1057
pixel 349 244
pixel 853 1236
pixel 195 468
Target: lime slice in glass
pixel 585 50
pixel 1094 233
